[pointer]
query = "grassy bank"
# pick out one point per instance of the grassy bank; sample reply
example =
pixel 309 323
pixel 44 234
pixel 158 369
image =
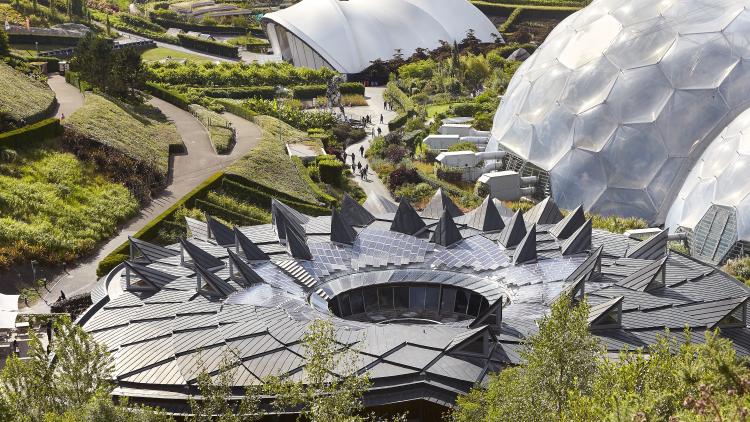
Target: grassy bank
pixel 140 133
pixel 22 98
pixel 220 131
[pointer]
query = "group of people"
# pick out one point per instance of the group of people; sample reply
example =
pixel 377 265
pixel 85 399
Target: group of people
pixel 387 105
pixel 357 166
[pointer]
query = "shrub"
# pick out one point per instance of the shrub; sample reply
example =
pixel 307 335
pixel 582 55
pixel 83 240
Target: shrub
pixel 398 121
pixel 344 132
pixel 401 176
pixel 239 92
pixel 395 153
pixel 236 74
pixel 616 224
pixel 109 262
pixel 463 146
pixel 308 92
pixel 377 148
pixel 168 94
pixel 450 175
pixel 30 134
pixel 331 171
pixel 465 109
pixel 415 193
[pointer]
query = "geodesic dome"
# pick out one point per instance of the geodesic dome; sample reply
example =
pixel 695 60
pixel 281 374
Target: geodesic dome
pixel 623 97
pixel 719 178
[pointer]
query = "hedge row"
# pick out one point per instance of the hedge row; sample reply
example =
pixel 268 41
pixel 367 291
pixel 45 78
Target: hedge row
pixel 308 92
pixel 213 47
pixel 256 194
pixel 237 109
pixel 511 19
pixel 43 39
pixel 229 215
pixel 241 92
pixel 53 63
pixel 213 29
pixel 151 230
pixel 319 193
pixel 437 183
pixel 73 79
pixel 28 135
pixel 527 12
pixel 398 121
pixel 167 94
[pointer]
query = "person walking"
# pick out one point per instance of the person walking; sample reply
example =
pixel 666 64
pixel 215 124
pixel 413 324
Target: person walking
pixel 381 119
pixel 361 150
pixel 354 168
pixel 359 165
pixel 353 158
pixel 380 131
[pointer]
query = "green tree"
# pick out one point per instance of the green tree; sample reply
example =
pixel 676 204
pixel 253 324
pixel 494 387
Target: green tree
pixel 475 71
pixel 126 73
pixel 4 44
pixel 560 358
pixel 216 403
pixel 326 395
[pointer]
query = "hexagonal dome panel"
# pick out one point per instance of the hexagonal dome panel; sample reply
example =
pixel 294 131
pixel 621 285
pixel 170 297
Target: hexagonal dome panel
pixel 719 177
pixel 638 89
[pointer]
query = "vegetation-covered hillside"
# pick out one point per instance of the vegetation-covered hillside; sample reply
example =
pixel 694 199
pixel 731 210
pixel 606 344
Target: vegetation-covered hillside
pixel 22 98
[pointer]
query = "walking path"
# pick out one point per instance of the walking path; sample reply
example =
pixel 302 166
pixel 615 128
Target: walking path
pixel 189 170
pixel 69 98
pixel 374 108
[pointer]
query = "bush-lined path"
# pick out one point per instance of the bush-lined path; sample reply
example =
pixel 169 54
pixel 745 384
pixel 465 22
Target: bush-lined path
pixel 188 171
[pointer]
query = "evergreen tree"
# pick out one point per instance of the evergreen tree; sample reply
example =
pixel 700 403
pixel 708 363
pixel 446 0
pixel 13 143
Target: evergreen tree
pixel 4 44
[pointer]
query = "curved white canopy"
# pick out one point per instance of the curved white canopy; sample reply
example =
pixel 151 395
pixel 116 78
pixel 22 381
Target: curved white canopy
pixel 350 34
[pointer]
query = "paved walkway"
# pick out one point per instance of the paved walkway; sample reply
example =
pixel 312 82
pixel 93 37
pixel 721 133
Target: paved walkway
pixel 374 108
pixel 189 170
pixel 69 98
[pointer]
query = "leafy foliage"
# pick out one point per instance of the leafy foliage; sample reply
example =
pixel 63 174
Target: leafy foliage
pixel 116 72
pixel 463 146
pixel 55 208
pixel 236 74
pixel 325 396
pixel 739 268
pixel 291 114
pixel 215 404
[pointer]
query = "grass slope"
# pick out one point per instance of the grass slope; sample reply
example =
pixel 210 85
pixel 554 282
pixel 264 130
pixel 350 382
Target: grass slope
pixel 22 97
pixel 54 207
pixel 219 129
pixel 268 163
pixel 161 53
pixel 141 133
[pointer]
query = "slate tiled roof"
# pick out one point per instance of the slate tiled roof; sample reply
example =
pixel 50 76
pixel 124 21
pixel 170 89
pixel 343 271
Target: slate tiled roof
pixel 260 309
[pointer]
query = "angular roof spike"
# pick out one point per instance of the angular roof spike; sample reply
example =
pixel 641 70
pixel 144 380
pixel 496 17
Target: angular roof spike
pixel 606 315
pixel 154 278
pixel 199 256
pixel 485 217
pixel 297 245
pixel 406 220
pixel 219 232
pixel 150 252
pixel 247 272
pixel 446 233
pixel 379 205
pixel 526 250
pixel 651 277
pixel 341 230
pixel 251 250
pixel 545 212
pixel 355 213
pixel 283 218
pixel 214 285
pixel 441 202
pixel 568 225
pixel 496 310
pixel 514 232
pixel 588 269
pixel 578 242
pixel 654 247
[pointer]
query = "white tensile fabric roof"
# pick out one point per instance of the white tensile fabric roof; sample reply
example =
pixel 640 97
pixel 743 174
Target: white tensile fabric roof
pixel 350 34
pixel 8 311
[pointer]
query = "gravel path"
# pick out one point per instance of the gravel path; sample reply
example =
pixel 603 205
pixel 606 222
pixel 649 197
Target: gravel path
pixel 189 170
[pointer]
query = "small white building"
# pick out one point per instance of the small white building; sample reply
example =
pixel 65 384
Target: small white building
pixel 472 164
pixel 507 185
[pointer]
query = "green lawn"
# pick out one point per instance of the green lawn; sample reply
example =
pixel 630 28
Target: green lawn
pixel 22 97
pixel 432 110
pixel 161 53
pixel 54 207
pixel 268 163
pixel 141 137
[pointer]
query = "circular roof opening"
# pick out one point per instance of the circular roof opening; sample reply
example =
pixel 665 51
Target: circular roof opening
pixel 408 303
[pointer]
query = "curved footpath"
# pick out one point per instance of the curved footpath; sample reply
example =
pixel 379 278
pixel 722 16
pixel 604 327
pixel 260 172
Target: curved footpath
pixel 374 108
pixel 188 171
